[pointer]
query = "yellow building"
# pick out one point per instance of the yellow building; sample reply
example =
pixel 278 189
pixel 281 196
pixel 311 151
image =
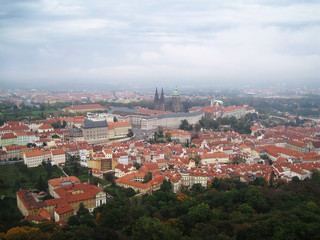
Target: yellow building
pixel 118 129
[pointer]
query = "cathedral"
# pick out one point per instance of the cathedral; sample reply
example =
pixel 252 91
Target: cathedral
pixel 174 105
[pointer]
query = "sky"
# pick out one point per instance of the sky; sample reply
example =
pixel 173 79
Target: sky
pixel 132 43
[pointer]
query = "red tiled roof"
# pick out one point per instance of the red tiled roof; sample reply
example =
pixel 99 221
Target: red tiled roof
pixel 57 152
pixel 58 181
pixel 86 107
pixel 45 126
pixel 214 155
pixel 8 136
pixel 36 153
pixel 119 124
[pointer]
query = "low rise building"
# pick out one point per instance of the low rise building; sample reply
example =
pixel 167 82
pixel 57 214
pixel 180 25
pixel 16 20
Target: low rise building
pixel 95 131
pixel 60 182
pixel 35 158
pixel 58 157
pixel 118 129
pixel 85 108
pixel 8 139
pixel 66 202
pixel 45 128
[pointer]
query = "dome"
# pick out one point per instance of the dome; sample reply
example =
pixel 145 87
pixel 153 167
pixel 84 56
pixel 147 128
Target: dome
pixel 175 92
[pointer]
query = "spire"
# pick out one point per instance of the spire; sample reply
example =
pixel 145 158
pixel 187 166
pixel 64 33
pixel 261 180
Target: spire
pixel 162 96
pixel 156 96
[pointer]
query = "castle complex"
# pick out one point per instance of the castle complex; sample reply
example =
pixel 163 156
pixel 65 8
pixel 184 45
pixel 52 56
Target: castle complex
pixel 160 104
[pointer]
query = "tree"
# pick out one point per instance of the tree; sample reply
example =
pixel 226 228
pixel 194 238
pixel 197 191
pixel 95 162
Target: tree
pixel 137 165
pixel 197 189
pixel 260 181
pixel 55 136
pixel 185 125
pixel 166 186
pixel 64 124
pixel 200 213
pixel 168 136
pixel 152 228
pixel 42 185
pixel 197 127
pixel 147 177
pixel 83 217
pixel 130 133
pixel 197 159
pixel 22 233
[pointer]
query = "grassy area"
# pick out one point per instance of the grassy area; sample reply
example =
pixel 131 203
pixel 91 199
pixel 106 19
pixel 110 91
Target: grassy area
pixel 18 176
pixel 15 177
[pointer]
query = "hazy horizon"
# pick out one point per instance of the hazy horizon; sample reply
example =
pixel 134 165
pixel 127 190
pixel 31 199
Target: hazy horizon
pixel 49 44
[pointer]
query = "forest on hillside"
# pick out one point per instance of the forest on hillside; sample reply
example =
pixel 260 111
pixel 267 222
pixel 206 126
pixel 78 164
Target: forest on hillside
pixel 227 209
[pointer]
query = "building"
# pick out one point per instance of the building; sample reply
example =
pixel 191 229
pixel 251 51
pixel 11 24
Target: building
pixel 60 182
pixel 170 121
pixel 180 136
pixel 3 156
pixel 234 111
pixel 85 108
pixel 15 152
pixel 35 158
pixel 159 103
pixel 22 138
pixel 66 202
pixel 45 128
pixel 135 181
pixel 216 157
pixel 58 157
pixel 118 129
pixel 8 139
pixel 175 105
pixel 95 131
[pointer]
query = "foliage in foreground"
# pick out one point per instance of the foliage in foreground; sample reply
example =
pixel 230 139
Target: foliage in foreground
pixel 228 209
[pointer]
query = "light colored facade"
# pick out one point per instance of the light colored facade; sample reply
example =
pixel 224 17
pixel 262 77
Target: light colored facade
pixel 95 131
pixel 118 129
pixel 32 137
pixel 83 157
pixel 85 108
pixel 22 138
pixel 216 157
pixel 8 139
pixel 34 159
pixel 234 111
pixel 34 126
pixel 14 151
pixel 170 121
pixel 58 157
pixel 45 128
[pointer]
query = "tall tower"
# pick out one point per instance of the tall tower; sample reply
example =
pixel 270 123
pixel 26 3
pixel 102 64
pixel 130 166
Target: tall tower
pixel 156 99
pixel 162 102
pixel 176 104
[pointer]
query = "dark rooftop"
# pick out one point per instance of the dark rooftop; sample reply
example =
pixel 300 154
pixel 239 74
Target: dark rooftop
pixel 94 124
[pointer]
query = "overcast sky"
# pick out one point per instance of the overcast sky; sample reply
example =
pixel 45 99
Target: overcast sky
pixel 159 42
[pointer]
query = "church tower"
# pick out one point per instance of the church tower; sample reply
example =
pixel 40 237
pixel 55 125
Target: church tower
pixel 176 104
pixel 156 99
pixel 162 102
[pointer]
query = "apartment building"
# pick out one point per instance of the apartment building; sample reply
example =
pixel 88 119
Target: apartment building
pixel 35 158
pixel 95 131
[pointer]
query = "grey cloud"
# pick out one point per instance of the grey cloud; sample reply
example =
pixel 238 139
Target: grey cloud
pixel 148 41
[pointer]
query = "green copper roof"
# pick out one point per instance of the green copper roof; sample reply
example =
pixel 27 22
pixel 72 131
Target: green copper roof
pixel 175 92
